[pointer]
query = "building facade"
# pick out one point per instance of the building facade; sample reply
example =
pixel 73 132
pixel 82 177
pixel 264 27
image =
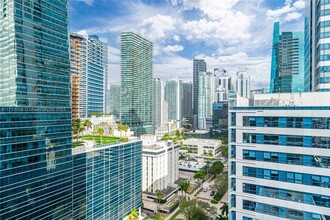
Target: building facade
pixel 174 98
pixel 160 162
pixel 35 111
pixel 89 64
pixel 206 98
pixel 199 65
pixel 288 61
pixel 114 100
pixel 223 84
pixel 136 83
pixel 203 147
pixel 187 102
pixel 279 149
pixel 157 103
pixel 242 86
pixel 317 57
pixel 220 119
pixel 107 181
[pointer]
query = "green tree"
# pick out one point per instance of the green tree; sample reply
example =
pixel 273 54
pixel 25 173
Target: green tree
pixel 160 196
pixel 134 215
pixel 217 168
pixel 200 175
pixel 184 187
pixel 197 210
pixel 224 210
pixel 121 128
pixel 100 131
pixel 224 151
pixel 220 184
pixel 87 124
pixel 78 127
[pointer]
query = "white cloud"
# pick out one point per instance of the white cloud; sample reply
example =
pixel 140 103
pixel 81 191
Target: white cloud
pixel 113 55
pixel 174 48
pixel 293 16
pixel 88 2
pixel 175 2
pixel 176 37
pixel 157 26
pixel 291 11
pixel 214 9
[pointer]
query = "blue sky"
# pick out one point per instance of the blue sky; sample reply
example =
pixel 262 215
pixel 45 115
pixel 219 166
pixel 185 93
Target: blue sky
pixel 226 33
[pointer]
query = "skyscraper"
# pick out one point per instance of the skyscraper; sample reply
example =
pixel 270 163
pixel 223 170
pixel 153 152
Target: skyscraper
pixel 174 99
pixel 287 68
pixel 89 64
pixel 223 84
pixel 107 181
pixel 242 85
pixel 136 83
pixel 35 112
pixel 157 103
pixel 206 99
pixel 187 104
pixel 317 57
pixel 115 100
pixel 279 149
pixel 198 66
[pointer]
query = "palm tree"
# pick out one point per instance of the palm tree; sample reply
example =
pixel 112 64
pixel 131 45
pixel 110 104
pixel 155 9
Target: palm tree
pixel 160 196
pixel 120 128
pixel 100 131
pixel 134 215
pixel 125 128
pixel 224 210
pixel 78 127
pixel 184 187
pixel 87 124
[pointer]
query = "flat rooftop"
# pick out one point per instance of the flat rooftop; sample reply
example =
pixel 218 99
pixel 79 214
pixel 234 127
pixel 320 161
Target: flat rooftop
pixel 198 132
pixel 191 166
pixel 202 141
pixel 302 99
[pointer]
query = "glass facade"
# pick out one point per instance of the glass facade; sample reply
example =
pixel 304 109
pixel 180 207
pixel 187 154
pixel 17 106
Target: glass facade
pixel 35 111
pixel 288 195
pixel 108 181
pixel 136 83
pixel 281 212
pixel 287 68
pixel 280 155
pixel 198 66
pixel 317 34
pixel 290 177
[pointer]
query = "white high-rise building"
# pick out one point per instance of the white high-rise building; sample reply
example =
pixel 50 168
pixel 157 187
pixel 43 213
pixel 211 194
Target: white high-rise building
pixel 242 86
pixel 223 84
pixel 205 98
pixel 279 157
pixel 160 164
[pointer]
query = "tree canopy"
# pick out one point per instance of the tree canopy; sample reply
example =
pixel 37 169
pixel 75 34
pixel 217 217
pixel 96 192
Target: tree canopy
pixel 217 168
pixel 197 210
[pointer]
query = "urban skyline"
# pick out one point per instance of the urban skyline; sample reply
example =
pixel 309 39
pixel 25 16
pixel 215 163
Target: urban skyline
pixel 218 46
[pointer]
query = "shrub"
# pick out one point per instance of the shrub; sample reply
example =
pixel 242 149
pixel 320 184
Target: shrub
pixel 214 201
pixel 218 196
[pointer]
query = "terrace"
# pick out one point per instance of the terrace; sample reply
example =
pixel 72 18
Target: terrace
pixel 95 140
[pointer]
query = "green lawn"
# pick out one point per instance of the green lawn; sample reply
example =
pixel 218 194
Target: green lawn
pixel 97 139
pixel 77 144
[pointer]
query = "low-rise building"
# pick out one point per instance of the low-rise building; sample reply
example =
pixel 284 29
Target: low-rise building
pixel 203 147
pixel 160 163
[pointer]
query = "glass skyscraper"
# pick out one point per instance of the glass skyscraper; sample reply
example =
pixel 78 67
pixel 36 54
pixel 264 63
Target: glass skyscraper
pixel 174 98
pixel 317 46
pixel 107 182
pixel 35 112
pixel 89 65
pixel 198 66
pixel 279 157
pixel 187 111
pixel 114 100
pixel 136 83
pixel 156 103
pixel 287 67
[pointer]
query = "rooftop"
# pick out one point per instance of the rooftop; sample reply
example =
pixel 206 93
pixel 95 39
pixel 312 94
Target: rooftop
pixel 202 141
pixel 302 99
pixel 198 132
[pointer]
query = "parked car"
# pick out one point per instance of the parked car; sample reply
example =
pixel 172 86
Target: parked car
pixel 206 189
pixel 212 193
